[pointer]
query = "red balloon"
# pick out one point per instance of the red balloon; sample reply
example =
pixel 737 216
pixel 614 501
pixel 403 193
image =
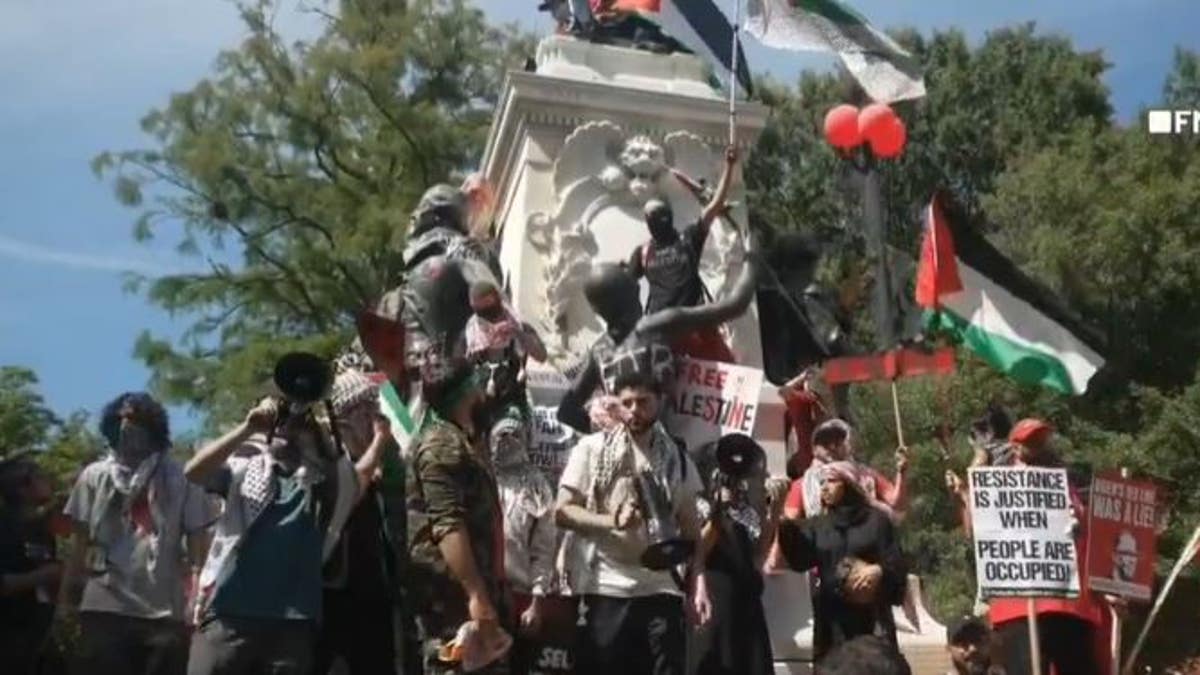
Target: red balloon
pixel 889 142
pixel 875 119
pixel 841 127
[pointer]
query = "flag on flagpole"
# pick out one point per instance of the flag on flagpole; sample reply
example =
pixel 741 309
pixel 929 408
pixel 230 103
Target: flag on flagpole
pixel 698 25
pixel 972 292
pixel 886 72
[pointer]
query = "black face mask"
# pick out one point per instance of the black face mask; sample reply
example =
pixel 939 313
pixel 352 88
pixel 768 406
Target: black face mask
pixel 661 225
pixel 491 314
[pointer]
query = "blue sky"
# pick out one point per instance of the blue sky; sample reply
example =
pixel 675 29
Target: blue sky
pixel 77 75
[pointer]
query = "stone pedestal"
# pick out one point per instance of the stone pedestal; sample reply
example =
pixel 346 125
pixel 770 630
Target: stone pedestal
pixel 575 151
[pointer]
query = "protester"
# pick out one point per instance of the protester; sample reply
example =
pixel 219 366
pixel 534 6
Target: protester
pixel 989 438
pixel 530 537
pixel 864 655
pixel 457 573
pixel 29 567
pixel 287 494
pixel 361 584
pixel 741 514
pixel 670 261
pixel 833 441
pixel 1067 628
pixel 501 343
pixel 859 565
pixel 612 487
pixel 969 643
pixel 136 519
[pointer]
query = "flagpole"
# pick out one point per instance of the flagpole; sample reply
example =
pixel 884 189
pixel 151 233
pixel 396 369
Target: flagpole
pixel 733 70
pixel 1184 558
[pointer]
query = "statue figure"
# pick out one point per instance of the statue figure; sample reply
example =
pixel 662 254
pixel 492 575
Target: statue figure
pixel 635 342
pixel 438 226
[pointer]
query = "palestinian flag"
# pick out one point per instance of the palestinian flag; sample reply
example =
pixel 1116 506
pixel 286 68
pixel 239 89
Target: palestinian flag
pixel 404 418
pixel 972 292
pixel 884 70
pixel 698 25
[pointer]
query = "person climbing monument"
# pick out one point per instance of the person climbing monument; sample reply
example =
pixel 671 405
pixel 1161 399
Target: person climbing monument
pixel 670 261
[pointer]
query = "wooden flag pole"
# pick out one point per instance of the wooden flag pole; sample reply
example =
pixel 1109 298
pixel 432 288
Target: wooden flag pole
pixel 896 411
pixel 733 70
pixel 1184 559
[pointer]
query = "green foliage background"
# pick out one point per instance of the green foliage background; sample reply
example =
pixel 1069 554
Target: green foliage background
pixel 290 170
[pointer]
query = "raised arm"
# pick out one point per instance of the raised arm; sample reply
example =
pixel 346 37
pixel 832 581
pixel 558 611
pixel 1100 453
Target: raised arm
pixel 681 320
pixel 716 206
pixel 368 463
pixel 571 411
pixel 205 463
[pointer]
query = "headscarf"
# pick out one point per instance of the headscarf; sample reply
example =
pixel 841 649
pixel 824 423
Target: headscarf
pixel 851 476
pixel 515 475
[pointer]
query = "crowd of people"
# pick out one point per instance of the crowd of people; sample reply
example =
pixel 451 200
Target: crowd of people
pixel 307 539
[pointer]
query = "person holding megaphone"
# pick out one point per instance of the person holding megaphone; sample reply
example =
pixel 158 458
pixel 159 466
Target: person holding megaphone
pixel 288 488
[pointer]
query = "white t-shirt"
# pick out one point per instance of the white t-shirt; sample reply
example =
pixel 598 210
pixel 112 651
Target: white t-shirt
pixel 617 572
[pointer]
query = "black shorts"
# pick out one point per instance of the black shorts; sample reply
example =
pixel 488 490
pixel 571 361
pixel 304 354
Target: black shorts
pixel 644 635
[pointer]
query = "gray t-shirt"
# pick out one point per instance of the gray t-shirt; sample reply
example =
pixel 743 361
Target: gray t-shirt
pixel 138 571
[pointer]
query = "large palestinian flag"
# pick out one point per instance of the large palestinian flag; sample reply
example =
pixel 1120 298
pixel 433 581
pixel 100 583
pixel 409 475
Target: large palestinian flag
pixel 698 25
pixel 973 292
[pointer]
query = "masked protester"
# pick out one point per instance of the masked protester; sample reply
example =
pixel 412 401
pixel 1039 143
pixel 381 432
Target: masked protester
pixel 135 516
pixel 670 261
pixel 457 572
pixel 860 568
pixel 633 617
pixel 833 441
pixel 29 568
pixel 1069 629
pixel 361 582
pixel 288 491
pixel 530 537
pixel 500 344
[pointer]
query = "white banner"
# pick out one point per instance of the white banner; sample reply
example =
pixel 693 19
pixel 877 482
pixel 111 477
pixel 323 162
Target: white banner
pixel 712 399
pixel 1021 518
pixel 550 441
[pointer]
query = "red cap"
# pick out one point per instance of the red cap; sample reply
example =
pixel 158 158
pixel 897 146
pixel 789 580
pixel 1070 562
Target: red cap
pixel 1029 430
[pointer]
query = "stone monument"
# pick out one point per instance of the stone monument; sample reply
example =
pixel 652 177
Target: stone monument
pixel 576 149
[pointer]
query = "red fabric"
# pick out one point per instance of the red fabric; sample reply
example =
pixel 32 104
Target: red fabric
pixel 139 513
pixel 707 344
pixel 626 5
pixel 937 274
pixel 1029 430
pixel 804 413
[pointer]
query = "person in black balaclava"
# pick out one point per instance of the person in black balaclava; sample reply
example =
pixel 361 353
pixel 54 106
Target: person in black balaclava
pixel 633 342
pixel 670 261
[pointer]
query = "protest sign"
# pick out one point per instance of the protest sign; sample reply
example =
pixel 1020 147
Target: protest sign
pixel 1021 518
pixel 712 399
pixel 1122 536
pixel 550 441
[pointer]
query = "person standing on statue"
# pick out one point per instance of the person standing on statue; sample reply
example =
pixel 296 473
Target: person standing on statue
pixel 670 261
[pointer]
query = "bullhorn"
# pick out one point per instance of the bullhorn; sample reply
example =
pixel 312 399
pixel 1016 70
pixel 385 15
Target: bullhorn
pixel 303 379
pixel 738 456
pixel 667 548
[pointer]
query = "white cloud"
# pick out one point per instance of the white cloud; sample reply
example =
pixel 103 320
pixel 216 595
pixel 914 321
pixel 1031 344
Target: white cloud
pixel 44 255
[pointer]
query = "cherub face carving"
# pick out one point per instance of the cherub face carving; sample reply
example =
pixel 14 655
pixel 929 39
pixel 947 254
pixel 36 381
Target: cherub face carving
pixel 645 161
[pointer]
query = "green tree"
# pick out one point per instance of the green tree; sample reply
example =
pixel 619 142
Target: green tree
pixel 290 172
pixel 61 446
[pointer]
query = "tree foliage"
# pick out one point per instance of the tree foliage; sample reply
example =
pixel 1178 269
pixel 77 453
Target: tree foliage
pixel 289 173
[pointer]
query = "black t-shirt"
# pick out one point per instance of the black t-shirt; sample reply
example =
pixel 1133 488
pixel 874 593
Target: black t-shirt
pixel 24 547
pixel 673 271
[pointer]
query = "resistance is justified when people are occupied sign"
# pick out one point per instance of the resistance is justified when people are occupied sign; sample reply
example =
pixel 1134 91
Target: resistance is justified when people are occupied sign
pixel 1022 522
